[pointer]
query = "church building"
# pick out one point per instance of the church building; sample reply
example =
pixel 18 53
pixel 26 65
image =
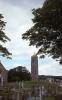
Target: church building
pixel 3 75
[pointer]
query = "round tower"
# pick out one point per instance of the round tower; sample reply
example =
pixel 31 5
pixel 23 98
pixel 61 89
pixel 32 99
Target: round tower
pixel 34 67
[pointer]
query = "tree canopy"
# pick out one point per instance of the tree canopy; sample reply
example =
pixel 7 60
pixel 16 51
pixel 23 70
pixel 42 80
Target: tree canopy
pixel 18 75
pixel 46 33
pixel 3 38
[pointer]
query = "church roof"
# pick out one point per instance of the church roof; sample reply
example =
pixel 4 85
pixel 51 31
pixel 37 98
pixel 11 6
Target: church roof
pixel 35 55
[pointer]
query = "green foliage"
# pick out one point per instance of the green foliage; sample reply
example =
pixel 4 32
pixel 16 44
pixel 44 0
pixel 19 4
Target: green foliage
pixel 46 33
pixel 49 98
pixel 14 76
pixel 37 83
pixel 3 38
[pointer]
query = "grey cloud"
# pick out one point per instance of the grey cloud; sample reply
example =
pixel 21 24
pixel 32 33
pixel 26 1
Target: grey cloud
pixel 24 3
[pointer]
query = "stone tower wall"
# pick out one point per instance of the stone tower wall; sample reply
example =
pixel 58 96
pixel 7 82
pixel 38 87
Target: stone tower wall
pixel 34 67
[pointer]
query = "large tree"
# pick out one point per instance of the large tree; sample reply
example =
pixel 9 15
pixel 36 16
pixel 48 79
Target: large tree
pixel 46 33
pixel 3 38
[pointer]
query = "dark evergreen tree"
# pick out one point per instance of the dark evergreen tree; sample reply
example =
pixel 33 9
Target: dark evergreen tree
pixel 46 33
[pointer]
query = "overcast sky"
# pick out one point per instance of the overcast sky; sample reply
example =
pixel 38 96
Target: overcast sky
pixel 18 15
